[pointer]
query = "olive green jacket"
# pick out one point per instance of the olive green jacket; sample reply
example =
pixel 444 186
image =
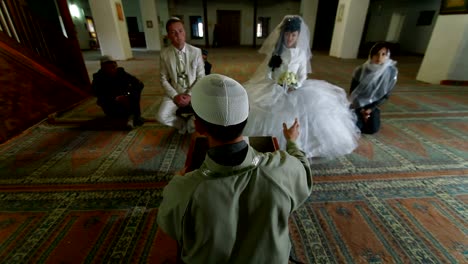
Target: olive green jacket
pixel 223 214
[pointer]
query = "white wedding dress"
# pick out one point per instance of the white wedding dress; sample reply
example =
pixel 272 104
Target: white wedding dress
pixel 327 125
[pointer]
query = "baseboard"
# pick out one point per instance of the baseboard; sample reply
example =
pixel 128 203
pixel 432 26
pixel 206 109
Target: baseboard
pixel 454 82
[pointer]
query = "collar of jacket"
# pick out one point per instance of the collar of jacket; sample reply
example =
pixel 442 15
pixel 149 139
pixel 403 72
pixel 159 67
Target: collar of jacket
pixel 210 168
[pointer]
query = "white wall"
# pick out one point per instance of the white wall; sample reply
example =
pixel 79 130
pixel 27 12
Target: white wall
pixel 396 25
pixel 459 70
pixel 347 32
pixel 152 34
pixel 412 38
pixel 446 57
pixel 112 32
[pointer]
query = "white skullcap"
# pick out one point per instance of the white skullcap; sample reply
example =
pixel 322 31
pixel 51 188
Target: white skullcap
pixel 220 100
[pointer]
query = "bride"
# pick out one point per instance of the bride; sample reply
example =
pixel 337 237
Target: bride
pixel 279 91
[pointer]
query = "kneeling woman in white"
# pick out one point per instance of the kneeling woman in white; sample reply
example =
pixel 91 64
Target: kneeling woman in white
pixel 279 90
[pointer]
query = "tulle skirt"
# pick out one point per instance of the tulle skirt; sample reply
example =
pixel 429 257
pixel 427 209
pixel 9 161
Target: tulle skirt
pixel 327 125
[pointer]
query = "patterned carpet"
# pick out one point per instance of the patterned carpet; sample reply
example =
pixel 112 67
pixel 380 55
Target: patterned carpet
pixel 80 226
pixel 398 221
pixel 73 190
pixel 412 146
pixel 71 155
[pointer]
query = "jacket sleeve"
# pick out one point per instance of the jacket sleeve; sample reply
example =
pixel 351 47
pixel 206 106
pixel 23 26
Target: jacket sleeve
pixel 96 85
pixel 165 76
pixel 301 177
pixel 101 91
pixel 136 83
pixel 200 65
pixel 301 73
pixel 176 198
pixel 133 83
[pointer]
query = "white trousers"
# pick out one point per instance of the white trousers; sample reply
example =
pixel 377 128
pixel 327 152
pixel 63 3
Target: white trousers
pixel 167 116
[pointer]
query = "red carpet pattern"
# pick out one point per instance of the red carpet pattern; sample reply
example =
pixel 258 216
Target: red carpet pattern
pixel 396 221
pixel 80 227
pixel 405 147
pixel 70 155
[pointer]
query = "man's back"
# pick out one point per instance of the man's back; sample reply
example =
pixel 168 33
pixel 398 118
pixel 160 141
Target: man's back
pixel 237 214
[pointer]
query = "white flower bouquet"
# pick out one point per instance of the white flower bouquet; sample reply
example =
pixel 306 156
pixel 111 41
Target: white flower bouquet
pixel 287 79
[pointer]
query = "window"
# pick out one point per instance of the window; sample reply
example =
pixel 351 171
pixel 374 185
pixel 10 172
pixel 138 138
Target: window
pixel 196 27
pixel 90 27
pixel 263 25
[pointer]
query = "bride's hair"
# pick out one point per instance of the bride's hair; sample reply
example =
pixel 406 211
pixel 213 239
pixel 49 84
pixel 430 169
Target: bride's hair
pixel 289 24
pixel 377 47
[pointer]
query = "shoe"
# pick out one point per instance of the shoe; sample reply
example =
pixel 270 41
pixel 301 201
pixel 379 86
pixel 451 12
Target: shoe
pixel 129 125
pixel 191 126
pixel 138 121
pixel 183 130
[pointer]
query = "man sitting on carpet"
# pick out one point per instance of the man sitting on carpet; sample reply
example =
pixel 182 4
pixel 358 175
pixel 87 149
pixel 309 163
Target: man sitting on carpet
pixel 118 93
pixel 235 207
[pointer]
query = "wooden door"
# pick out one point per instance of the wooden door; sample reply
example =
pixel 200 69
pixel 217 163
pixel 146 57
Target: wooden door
pixel 229 27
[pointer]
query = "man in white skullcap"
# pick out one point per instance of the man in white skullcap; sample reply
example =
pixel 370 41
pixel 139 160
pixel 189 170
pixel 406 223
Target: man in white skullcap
pixel 181 65
pixel 235 207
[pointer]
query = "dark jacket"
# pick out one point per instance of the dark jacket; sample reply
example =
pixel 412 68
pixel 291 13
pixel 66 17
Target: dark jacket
pixel 107 88
pixel 207 68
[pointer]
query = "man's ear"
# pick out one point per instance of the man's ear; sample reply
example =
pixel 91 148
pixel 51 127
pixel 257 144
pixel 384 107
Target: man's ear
pixel 199 127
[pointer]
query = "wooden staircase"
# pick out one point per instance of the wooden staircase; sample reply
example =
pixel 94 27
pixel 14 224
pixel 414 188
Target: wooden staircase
pixel 42 68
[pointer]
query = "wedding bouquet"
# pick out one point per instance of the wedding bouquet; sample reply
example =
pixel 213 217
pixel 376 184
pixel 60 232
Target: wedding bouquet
pixel 287 79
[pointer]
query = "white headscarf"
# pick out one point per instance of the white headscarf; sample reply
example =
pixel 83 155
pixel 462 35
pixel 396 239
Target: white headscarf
pixel 375 81
pixel 274 43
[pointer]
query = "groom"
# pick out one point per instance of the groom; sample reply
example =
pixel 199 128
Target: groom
pixel 181 66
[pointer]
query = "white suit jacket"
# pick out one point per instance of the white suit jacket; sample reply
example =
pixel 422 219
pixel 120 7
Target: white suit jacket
pixel 195 68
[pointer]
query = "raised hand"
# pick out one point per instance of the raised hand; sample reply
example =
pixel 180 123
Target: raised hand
pixel 291 133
